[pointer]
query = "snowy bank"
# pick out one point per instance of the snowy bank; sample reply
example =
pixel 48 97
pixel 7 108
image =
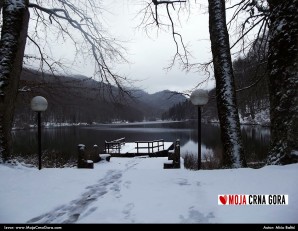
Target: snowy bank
pixel 139 190
pixel 261 118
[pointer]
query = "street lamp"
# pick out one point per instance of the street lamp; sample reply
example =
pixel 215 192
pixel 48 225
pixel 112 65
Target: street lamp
pixel 199 98
pixel 39 104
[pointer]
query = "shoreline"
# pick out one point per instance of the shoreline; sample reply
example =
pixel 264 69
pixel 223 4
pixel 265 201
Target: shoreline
pixel 48 125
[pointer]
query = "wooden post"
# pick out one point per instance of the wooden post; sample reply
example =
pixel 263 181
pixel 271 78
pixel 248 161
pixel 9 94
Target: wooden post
pixel 82 162
pixel 81 156
pixel 175 157
pixel 106 147
pixel 95 148
pixel 137 148
pixel 176 160
pixel 95 157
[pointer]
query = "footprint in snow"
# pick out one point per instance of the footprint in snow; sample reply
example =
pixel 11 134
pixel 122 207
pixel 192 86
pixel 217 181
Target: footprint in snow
pixel 195 216
pixel 127 184
pixel 183 182
pixel 127 211
pixel 71 212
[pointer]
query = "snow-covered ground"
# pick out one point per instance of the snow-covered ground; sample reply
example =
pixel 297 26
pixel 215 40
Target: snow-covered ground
pixel 261 118
pixel 128 190
pixel 50 125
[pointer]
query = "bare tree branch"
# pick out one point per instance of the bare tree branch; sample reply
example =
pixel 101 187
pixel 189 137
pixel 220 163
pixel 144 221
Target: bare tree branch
pixel 42 58
pixel 258 11
pixel 151 14
pixel 67 16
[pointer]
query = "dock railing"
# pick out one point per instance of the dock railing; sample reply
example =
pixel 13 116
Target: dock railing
pixel 114 145
pixel 150 145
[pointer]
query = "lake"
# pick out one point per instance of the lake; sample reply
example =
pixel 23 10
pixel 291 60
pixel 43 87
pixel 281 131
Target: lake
pixel 65 139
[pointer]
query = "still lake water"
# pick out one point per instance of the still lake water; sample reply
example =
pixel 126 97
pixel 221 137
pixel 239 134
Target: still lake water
pixel 65 139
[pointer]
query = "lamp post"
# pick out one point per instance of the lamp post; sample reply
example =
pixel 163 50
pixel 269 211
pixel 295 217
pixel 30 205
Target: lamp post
pixel 199 98
pixel 39 104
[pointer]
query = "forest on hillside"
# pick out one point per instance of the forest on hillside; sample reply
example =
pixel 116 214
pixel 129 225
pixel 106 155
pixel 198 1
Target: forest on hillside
pixel 251 80
pixel 80 99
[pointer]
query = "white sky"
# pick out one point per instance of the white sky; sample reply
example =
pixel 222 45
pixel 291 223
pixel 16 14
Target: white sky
pixel 148 56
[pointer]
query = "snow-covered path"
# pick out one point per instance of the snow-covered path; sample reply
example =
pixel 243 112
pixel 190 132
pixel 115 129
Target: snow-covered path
pixel 82 206
pixel 71 212
pixel 139 190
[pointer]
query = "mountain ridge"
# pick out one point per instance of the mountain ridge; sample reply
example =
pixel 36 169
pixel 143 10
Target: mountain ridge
pixel 83 99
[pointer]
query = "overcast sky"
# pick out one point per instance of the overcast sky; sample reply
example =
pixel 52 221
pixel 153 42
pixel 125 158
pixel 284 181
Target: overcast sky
pixel 149 54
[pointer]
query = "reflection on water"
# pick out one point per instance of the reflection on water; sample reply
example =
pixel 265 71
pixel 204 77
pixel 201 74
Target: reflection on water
pixel 66 139
pixel 192 147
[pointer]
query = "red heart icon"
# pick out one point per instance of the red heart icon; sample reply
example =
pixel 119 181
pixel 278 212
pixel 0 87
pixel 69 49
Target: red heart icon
pixel 223 199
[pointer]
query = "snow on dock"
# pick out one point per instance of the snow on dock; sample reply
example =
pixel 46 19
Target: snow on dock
pixel 121 147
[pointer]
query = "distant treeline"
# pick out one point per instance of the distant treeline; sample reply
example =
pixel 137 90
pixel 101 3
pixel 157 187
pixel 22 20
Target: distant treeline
pixel 252 91
pixel 81 99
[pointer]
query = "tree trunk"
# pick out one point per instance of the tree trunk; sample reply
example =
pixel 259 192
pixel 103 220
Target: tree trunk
pixel 233 155
pixel 283 80
pixel 12 45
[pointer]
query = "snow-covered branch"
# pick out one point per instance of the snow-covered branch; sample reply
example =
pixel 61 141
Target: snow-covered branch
pixel 257 12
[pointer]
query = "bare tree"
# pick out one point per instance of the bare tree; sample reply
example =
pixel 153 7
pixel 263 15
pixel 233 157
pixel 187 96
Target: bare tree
pixel 12 45
pixel 283 80
pixel 223 72
pixel 280 19
pixel 68 18
pixel 225 86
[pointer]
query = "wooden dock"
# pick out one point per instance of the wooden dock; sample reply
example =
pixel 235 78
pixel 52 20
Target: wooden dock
pixel 154 148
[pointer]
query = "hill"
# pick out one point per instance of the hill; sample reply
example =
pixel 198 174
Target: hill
pixel 75 99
